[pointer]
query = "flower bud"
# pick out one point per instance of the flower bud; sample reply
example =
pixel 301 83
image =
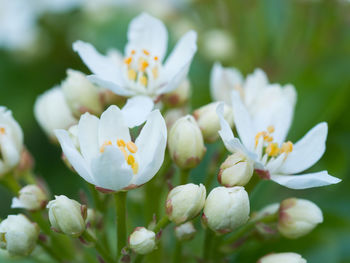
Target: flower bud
pixel 80 94
pixel 226 209
pixel 11 141
pixel 218 44
pixel 52 112
pixel 282 257
pixel 67 216
pixel 267 229
pixel 298 217
pixel 91 217
pixel 18 235
pixel 171 116
pixel 142 241
pixel 31 197
pixel 185 231
pixel 208 120
pixel 184 202
pixel 237 169
pixel 179 96
pixel 185 143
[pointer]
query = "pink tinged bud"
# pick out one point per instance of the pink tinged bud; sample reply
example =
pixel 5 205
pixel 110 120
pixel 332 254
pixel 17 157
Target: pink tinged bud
pixel 298 217
pixel 226 208
pixel 185 231
pixel 208 120
pixel 186 145
pixel 184 202
pixel 142 241
pixel 282 257
pixel 179 96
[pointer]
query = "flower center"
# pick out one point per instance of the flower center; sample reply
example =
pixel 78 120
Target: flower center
pixel 128 149
pixel 2 130
pixel 270 147
pixel 142 68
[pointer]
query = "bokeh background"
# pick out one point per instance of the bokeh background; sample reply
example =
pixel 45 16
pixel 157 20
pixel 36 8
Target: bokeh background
pixel 306 43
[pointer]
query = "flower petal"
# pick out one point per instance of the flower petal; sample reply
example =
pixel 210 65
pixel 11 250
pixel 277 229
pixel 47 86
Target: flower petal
pixel 112 126
pixel 73 156
pixel 136 110
pixel 149 33
pixel 117 89
pixel 110 170
pixel 304 181
pixel 223 81
pixel 88 136
pixel 307 151
pixel 178 63
pixel 16 203
pixel 151 145
pixel 254 83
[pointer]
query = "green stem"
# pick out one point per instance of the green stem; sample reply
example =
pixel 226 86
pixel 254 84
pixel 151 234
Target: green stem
pixel 50 251
pixel 98 246
pixel 120 204
pixel 207 244
pixel 177 257
pixel 184 174
pixel 213 167
pixel 161 224
pixel 10 182
pixel 249 226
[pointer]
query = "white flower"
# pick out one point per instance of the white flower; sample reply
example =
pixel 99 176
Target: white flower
pixel 52 112
pixel 185 231
pixel 31 197
pixel 287 257
pixel 108 158
pixel 273 158
pixel 143 71
pixel 218 44
pixel 142 241
pixel 11 141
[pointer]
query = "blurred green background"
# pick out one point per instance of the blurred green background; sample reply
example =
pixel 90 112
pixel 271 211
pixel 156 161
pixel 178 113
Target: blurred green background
pixel 306 43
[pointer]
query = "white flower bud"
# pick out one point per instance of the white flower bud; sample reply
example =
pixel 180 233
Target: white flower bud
pixel 142 241
pixel 179 96
pixel 184 202
pixel 282 257
pixel 298 217
pixel 11 141
pixel 52 112
pixel 208 120
pixel 236 170
pixel 171 116
pixel 186 145
pixel 267 229
pixel 226 209
pixel 91 217
pixel 185 231
pixel 18 235
pixel 67 216
pixel 218 44
pixel 31 197
pixel 80 94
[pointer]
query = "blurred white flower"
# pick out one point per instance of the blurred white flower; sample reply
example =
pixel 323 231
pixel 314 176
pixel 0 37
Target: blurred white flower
pixel 274 159
pixel 142 72
pixel 31 197
pixel 142 241
pixel 218 44
pixel 108 158
pixel 11 141
pixel 282 257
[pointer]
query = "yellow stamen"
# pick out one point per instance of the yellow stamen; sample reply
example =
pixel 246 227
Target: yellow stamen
pixel 124 152
pixel 131 159
pixel 155 72
pixel 268 138
pixel 131 147
pixel 133 52
pixel 121 143
pixel 2 130
pixel 143 80
pixel 143 65
pixel 287 147
pixel 156 58
pixel 146 52
pixel 128 60
pixel 257 137
pixel 135 167
pixel 131 74
pixel 272 149
pixel 102 149
pixel 270 129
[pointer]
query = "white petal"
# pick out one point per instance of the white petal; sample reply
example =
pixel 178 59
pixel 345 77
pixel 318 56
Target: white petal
pixel 178 63
pixel 110 170
pixel 100 65
pixel 306 151
pixel 136 110
pixel 88 136
pixel 304 181
pixel 117 89
pixel 253 85
pixel 112 126
pixel 16 203
pixel 73 156
pixel 149 33
pixel 151 145
pixel 223 81
pixel 243 122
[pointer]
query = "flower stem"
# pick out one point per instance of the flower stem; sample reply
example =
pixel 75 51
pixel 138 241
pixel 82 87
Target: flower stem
pixel 162 223
pixel 49 251
pixel 249 226
pixel 184 174
pixel 177 257
pixel 207 244
pixel 100 249
pixel 10 182
pixel 120 205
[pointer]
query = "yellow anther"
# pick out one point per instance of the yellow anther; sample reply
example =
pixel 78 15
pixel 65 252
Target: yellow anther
pixel 287 147
pixel 257 137
pixel 146 52
pixel 131 159
pixel 268 138
pixel 121 143
pixel 2 130
pixel 124 152
pixel 131 74
pixel 102 149
pixel 143 65
pixel 156 58
pixel 128 60
pixel 133 52
pixel 271 129
pixel 135 167
pixel 131 147
pixel 155 72
pixel 272 149
pixel 143 80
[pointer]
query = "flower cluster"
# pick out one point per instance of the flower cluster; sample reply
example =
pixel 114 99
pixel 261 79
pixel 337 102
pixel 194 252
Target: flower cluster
pixel 112 133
